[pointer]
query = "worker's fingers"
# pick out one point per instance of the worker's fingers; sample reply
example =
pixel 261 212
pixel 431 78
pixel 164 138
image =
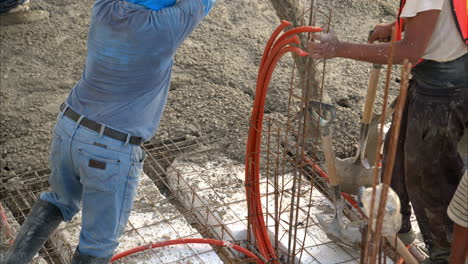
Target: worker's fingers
pixel 373 37
pixel 313 45
pixel 317 52
pixel 316 36
pixel 327 46
pixel 317 56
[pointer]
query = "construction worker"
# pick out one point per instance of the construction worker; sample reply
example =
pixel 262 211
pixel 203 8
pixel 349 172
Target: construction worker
pixel 19 11
pixel 96 155
pixel 428 167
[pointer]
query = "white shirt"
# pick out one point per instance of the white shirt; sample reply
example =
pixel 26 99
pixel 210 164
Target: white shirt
pixel 446 43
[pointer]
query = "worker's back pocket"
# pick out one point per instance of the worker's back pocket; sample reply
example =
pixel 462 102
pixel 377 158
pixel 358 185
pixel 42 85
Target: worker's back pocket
pixel 97 172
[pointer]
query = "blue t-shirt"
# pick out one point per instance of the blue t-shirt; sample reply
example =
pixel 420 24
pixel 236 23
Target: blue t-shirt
pixel 128 68
pixel 154 4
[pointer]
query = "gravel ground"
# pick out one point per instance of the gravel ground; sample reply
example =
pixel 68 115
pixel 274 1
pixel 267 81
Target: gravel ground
pixel 213 80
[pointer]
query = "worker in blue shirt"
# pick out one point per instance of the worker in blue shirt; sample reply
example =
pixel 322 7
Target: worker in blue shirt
pixel 96 158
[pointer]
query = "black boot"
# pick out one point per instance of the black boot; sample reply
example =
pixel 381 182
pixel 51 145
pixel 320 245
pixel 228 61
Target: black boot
pixel 79 258
pixel 42 220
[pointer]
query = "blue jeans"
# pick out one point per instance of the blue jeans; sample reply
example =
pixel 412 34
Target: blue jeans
pixel 100 172
pixel 6 5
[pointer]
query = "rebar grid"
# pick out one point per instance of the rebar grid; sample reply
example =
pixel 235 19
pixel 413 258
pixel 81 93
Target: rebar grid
pixel 174 164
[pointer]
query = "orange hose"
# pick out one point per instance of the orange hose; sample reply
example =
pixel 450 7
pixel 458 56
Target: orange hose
pixel 188 241
pixel 272 39
pixel 271 56
pixel 263 241
pixel 297 30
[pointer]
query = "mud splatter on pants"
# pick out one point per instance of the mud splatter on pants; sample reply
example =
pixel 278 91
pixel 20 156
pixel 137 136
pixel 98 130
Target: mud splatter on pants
pixel 428 167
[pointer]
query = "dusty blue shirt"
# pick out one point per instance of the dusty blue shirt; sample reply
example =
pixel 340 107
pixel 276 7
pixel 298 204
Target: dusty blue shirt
pixel 128 68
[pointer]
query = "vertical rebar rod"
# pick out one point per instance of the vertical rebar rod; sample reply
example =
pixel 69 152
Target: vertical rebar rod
pixel 277 220
pixel 268 172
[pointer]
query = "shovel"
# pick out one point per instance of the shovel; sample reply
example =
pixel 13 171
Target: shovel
pixel 357 171
pixel 335 230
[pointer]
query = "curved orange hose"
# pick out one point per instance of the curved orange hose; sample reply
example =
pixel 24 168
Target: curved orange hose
pixel 297 30
pixel 188 241
pixel 262 241
pixel 271 40
pixel 271 56
pixel 259 212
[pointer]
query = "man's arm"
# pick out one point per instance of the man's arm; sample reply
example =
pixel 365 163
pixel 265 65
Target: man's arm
pixel 419 31
pixel 182 18
pixel 459 250
pixel 458 213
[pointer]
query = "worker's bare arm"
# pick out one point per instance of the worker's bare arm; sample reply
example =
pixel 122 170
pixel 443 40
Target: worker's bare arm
pixel 418 33
pixel 459 251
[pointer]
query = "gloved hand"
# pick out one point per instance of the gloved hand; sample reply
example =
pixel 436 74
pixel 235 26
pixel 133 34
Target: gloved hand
pixel 382 32
pixel 328 46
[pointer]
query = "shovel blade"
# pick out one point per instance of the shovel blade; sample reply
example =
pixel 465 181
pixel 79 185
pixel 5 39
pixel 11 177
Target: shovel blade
pixel 338 232
pixel 353 175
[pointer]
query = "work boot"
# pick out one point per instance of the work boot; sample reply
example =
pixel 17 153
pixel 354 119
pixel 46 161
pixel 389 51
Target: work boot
pixel 79 258
pixel 22 14
pixel 42 220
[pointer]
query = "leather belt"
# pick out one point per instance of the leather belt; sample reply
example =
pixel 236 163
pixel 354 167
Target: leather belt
pixel 109 132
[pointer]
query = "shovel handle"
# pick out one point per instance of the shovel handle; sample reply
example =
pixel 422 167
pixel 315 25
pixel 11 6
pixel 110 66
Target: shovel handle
pixel 330 158
pixel 402 250
pixel 371 92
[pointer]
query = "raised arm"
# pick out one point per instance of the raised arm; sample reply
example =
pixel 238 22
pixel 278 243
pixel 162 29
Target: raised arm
pixel 184 17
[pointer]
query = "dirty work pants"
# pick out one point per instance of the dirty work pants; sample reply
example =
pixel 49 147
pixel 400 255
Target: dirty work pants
pixel 6 5
pixel 428 167
pixel 99 173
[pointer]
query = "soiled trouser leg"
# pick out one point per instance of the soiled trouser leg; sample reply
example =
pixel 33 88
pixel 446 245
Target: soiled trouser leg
pixel 433 167
pixel 398 176
pixel 398 183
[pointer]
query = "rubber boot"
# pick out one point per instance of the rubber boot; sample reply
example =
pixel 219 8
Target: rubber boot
pixel 42 220
pixel 79 258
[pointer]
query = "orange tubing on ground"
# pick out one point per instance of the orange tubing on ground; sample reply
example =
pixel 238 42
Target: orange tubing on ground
pixel 188 241
pixel 273 52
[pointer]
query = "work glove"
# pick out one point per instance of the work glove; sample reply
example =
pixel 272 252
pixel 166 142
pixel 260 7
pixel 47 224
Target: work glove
pixel 327 46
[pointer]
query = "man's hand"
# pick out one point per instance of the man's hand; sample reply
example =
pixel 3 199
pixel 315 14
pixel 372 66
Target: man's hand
pixel 382 32
pixel 328 46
